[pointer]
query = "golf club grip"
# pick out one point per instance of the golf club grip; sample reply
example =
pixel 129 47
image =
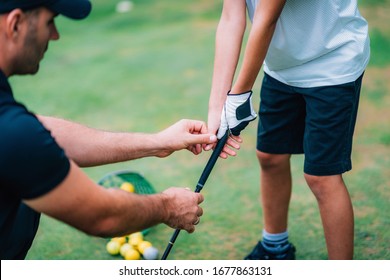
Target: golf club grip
pixel 199 186
pixel 211 162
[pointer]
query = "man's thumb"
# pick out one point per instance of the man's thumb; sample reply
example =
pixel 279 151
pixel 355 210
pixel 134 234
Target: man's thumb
pixel 203 139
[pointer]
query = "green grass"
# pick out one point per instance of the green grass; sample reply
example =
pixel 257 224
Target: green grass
pixel 144 70
pixel 373 2
pixel 379 48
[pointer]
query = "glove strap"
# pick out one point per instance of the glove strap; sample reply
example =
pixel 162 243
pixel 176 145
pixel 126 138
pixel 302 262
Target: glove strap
pixel 244 110
pixel 242 93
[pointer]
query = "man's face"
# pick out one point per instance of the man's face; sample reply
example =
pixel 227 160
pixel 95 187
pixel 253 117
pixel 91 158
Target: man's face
pixel 40 30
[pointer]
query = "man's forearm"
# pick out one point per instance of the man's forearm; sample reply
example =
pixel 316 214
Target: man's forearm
pixel 131 214
pixel 91 147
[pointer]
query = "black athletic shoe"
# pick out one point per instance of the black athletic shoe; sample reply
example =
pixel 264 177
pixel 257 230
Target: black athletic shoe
pixel 259 253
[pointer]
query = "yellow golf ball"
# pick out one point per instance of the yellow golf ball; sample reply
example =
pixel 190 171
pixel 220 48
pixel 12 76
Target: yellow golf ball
pixel 135 241
pixel 121 240
pixel 132 254
pixel 137 234
pixel 113 247
pixel 126 186
pixel 143 245
pixel 124 248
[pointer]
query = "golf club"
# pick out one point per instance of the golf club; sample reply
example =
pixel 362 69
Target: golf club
pixel 199 186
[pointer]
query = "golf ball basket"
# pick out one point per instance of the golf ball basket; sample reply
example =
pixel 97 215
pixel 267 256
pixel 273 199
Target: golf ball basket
pixel 117 178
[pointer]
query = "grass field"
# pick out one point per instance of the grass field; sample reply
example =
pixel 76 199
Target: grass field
pixel 146 69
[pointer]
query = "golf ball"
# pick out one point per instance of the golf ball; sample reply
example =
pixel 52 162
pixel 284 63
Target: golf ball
pixel 124 6
pixel 150 253
pixel 124 248
pixel 113 247
pixel 143 245
pixel 127 186
pixel 132 254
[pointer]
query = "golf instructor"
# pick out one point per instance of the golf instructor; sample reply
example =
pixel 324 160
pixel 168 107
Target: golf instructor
pixel 314 54
pixel 40 157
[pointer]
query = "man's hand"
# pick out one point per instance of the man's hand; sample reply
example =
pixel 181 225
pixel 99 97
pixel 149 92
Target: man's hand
pixel 237 113
pixel 185 134
pixel 182 208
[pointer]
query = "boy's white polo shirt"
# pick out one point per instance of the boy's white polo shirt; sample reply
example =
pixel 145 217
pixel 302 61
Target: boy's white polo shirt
pixel 317 43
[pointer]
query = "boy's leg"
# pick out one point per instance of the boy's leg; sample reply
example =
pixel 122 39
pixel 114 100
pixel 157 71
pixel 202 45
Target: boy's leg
pixel 336 214
pixel 280 134
pixel 275 186
pixel 330 123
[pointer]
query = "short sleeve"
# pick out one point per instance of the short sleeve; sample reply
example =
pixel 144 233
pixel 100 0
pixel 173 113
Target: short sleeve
pixel 31 162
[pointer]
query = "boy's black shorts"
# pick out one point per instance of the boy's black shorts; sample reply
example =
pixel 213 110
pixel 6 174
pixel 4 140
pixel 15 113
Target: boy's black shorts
pixel 318 122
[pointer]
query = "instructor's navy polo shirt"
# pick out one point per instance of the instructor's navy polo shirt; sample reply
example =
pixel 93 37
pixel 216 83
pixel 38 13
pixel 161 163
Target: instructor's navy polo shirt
pixel 31 165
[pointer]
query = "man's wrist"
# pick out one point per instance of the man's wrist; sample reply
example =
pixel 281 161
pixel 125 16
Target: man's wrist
pixel 164 203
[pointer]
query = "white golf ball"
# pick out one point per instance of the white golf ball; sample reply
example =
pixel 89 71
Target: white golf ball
pixel 150 253
pixel 124 6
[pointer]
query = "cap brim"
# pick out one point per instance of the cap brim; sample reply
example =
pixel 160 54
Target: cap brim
pixel 75 9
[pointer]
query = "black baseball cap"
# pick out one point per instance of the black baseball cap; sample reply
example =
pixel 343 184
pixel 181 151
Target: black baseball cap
pixel 74 9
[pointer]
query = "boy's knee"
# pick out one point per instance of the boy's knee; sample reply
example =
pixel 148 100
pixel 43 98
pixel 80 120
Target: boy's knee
pixel 313 181
pixel 323 186
pixel 271 161
pixel 316 185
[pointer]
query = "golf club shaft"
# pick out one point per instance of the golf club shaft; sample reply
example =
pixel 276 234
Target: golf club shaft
pixel 199 186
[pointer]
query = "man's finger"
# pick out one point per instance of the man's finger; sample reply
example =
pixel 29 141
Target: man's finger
pixel 200 198
pixel 191 229
pixel 202 139
pixel 197 126
pixel 200 212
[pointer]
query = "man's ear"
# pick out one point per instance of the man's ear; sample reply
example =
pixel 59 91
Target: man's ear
pixel 13 22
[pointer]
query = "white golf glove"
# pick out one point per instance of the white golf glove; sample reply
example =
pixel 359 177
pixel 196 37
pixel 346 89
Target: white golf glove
pixel 236 114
